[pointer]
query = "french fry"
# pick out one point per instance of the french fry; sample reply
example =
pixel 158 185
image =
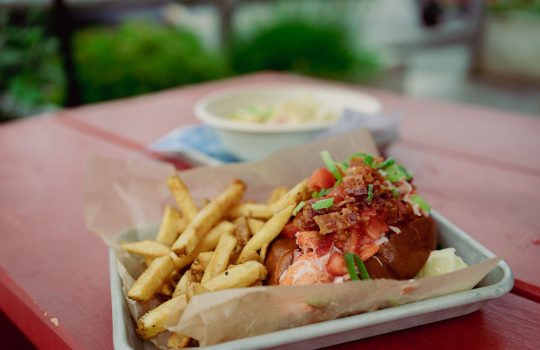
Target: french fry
pixel 220 258
pixel 254 225
pixel 166 290
pixel 209 242
pixel 242 231
pixel 201 262
pixel 206 218
pixel 183 283
pixel 148 261
pixel 178 341
pixel 276 194
pixel 169 230
pixel 182 197
pixel 251 256
pixel 252 210
pixel 292 197
pixel 181 226
pixel 263 251
pixel 267 233
pixel 237 276
pixel 151 280
pixel 147 248
pixel 195 289
pixel 165 315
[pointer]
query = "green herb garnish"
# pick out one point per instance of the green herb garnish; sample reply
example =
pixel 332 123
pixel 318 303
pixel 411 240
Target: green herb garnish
pixel 395 193
pixel 386 163
pixel 343 165
pixel 396 172
pixel 354 262
pixel 298 208
pixel 321 193
pixel 330 164
pixel 323 204
pixel 369 192
pixel 421 202
pixel 367 158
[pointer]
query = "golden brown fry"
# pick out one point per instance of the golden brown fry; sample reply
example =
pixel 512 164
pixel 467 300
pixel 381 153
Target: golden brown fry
pixel 178 341
pixel 251 256
pixel 255 225
pixel 147 248
pixel 181 226
pixel 151 280
pixel 148 261
pixel 263 252
pixel 252 210
pixel 169 230
pixel 195 289
pixel 183 283
pixel 292 197
pixel 276 194
pixel 209 242
pixel 220 258
pixel 165 315
pixel 242 231
pixel 201 262
pixel 166 289
pixel 267 233
pixel 182 197
pixel 237 276
pixel 206 218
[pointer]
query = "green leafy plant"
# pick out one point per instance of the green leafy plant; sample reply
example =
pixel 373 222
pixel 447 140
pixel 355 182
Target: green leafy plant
pixel 314 39
pixel 31 75
pixel 140 57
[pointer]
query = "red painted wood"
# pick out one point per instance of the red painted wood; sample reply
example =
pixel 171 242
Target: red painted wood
pixel 52 263
pixel 526 290
pixel 510 322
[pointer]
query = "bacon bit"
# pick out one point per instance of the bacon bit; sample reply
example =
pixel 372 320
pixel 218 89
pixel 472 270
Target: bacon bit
pixel 407 289
pixel 354 185
pixel 334 222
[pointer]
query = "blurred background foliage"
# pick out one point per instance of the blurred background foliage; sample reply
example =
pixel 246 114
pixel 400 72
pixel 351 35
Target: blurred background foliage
pixel 31 76
pixel 136 57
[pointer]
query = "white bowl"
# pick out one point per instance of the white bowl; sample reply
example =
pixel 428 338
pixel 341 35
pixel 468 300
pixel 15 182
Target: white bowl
pixel 251 142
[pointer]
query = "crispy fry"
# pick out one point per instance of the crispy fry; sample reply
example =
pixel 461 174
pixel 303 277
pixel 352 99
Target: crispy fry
pixel 276 194
pixel 183 283
pixel 201 262
pixel 252 210
pixel 167 314
pixel 151 280
pixel 195 289
pixel 292 197
pixel 169 230
pixel 148 261
pixel 147 248
pixel 242 231
pixel 206 218
pixel 209 242
pixel 255 225
pixel 237 276
pixel 181 226
pixel 263 251
pixel 251 256
pixel 178 341
pixel 166 289
pixel 182 197
pixel 220 258
pixel 267 233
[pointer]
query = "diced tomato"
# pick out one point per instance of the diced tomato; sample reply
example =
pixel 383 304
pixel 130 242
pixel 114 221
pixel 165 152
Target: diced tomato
pixel 375 228
pixel 336 265
pixel 321 178
pixel 289 231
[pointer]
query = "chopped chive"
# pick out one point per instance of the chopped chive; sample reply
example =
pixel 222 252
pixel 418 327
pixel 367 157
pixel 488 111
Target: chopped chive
pixel 369 192
pixel 330 164
pixel 353 262
pixel 395 193
pixel 298 208
pixel 343 165
pixel 367 158
pixel 323 204
pixel 386 163
pixel 408 175
pixel 421 202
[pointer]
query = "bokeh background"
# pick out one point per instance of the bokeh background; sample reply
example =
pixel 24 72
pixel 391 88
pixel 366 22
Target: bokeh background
pixel 55 54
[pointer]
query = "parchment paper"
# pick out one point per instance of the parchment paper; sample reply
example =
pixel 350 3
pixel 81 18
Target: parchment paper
pixel 131 194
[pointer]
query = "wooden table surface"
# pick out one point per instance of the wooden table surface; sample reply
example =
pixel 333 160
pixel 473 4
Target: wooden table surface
pixel 477 166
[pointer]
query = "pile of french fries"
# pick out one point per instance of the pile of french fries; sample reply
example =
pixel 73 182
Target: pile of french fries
pixel 219 246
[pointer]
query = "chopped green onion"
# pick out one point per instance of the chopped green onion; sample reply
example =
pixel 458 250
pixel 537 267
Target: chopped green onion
pixel 353 262
pixel 421 202
pixel 367 158
pixel 298 208
pixel 396 172
pixel 343 165
pixel 330 164
pixel 408 175
pixel 395 192
pixel 323 204
pixel 369 192
pixel 386 163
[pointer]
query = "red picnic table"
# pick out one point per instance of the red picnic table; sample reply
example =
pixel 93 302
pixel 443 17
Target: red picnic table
pixel 477 166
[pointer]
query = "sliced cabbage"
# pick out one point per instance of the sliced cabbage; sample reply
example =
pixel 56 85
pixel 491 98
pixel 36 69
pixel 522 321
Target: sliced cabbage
pixel 441 262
